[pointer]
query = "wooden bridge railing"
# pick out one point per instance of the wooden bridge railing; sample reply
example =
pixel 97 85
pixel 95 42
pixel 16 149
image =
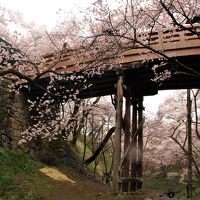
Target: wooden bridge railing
pixel 172 42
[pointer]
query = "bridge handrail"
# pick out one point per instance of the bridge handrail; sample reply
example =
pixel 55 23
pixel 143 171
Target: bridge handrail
pixel 161 39
pixel 172 35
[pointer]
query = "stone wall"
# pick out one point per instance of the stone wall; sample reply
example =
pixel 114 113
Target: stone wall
pixel 14 119
pixel 13 115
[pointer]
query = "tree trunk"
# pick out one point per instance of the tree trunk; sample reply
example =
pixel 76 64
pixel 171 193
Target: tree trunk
pixel 189 135
pixel 85 145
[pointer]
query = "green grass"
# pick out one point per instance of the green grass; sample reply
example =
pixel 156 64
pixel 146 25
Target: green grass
pixel 20 179
pixel 16 167
pixel 197 194
pixel 159 182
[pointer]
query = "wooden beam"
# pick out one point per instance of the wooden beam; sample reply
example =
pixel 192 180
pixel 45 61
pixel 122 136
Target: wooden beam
pixel 131 143
pixel 133 185
pixel 131 180
pixel 117 136
pixel 125 169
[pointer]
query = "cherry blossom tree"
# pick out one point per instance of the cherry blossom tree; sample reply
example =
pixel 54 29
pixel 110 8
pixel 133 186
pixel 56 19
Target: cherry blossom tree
pixel 101 37
pixel 132 24
pixel 159 148
pixel 174 115
pixel 22 62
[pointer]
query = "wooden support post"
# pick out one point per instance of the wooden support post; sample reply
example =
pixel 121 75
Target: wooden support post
pixel 127 135
pixel 117 136
pixel 133 185
pixel 140 143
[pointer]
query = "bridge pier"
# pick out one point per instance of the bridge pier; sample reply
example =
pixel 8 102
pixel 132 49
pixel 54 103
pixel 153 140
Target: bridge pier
pixel 117 136
pixel 127 134
pixel 128 169
pixel 132 181
pixel 140 144
pixel 134 146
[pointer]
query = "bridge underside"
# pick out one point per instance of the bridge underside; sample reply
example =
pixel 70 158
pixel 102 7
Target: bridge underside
pixel 138 77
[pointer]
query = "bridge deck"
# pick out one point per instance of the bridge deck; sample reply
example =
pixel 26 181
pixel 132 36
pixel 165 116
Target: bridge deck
pixel 174 43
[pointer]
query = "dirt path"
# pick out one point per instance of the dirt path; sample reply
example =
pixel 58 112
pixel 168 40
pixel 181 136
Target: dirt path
pixel 66 185
pixel 74 186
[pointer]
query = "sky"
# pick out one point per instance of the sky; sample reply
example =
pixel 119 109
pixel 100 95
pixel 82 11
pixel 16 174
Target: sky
pixel 151 103
pixel 45 12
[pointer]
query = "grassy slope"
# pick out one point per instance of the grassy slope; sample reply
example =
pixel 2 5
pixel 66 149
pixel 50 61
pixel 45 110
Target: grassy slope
pixel 20 179
pixel 16 169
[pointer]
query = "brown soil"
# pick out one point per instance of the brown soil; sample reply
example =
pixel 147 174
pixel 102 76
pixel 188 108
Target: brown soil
pixel 68 185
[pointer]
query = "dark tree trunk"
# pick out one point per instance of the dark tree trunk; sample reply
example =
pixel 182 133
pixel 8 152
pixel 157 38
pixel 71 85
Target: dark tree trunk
pixel 189 135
